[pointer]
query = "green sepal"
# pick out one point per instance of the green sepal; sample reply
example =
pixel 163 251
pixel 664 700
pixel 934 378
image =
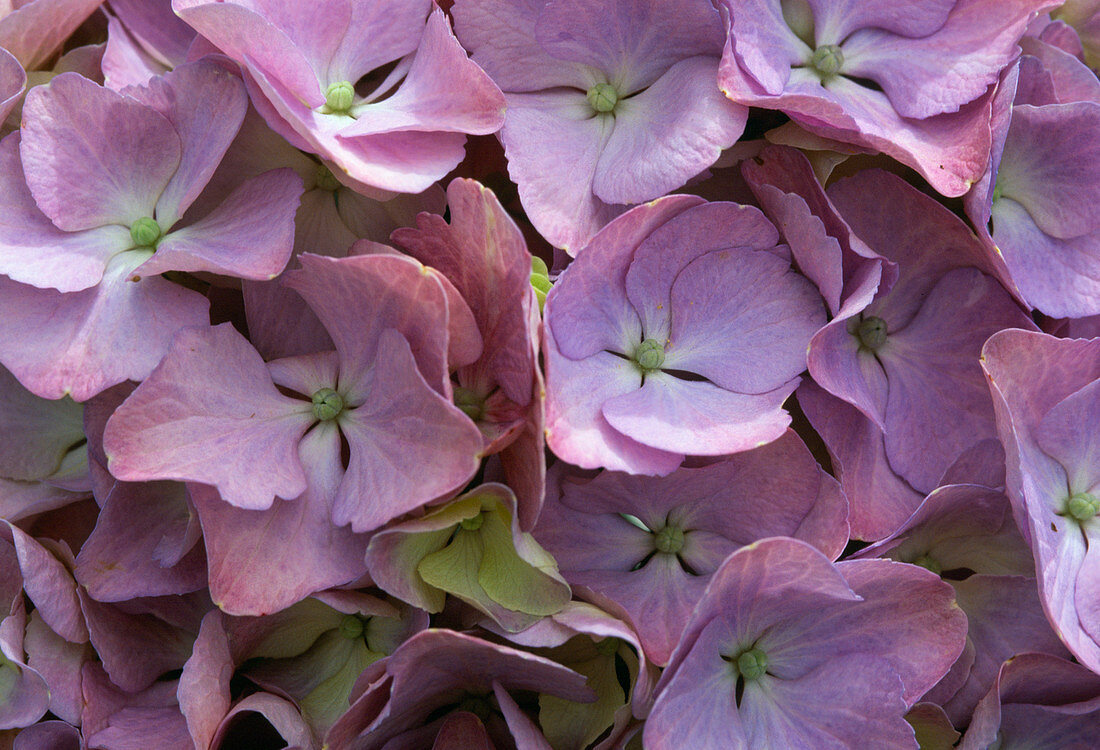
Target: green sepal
pixel 571 724
pixel 511 581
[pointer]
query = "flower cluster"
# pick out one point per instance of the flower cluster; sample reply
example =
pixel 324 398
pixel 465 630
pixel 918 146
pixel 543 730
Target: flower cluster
pixel 549 374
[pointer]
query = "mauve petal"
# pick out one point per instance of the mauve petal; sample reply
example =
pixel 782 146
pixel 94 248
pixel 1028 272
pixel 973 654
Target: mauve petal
pixel 377 33
pixel 33 250
pixel 306 373
pixel 765 45
pixel 125 61
pixel 1071 80
pixel 553 145
pixel 576 429
pixel 84 342
pixel 851 702
pixel 1051 166
pixel 929 75
pixel 119 561
pixel 39 432
pixel 632 42
pixel 33 31
pixel 13 79
pixel 232 428
pixel 695 706
pixel 742 319
pixel 667 134
pixel 462 730
pixel 442 91
pixel 879 501
pixel 1059 277
pixel 588 308
pixel 93 156
pixel 834 20
pixel 204 684
pixel 408 445
pixel 280 714
pixel 245 35
pixel 670 247
pixel 55 735
pixel 205 104
pixel 250 235
pixel 358 297
pixel 264 561
pixel 159 31
pixel 840 364
pixel 27 698
pixel 50 586
pixel 1065 433
pixel 698 418
pixel 500 35
pixel 935 382
pixel 60 664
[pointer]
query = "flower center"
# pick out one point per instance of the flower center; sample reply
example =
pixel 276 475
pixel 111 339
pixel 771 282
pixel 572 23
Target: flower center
pixel 470 402
pixel 872 332
pixel 603 97
pixel 473 524
pixel 649 355
pixel 325 179
pixel 351 627
pixel 752 664
pixel 669 540
pixel 327 404
pixel 929 563
pixel 145 232
pixel 828 59
pixel 339 97
pixel 1082 506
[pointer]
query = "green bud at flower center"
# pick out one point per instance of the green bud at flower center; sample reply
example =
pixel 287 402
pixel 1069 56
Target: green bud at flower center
pixel 325 179
pixel 669 539
pixel 608 646
pixel 339 97
pixel 327 404
pixel 1082 506
pixel 473 524
pixel 872 332
pixel 649 355
pixel 752 664
pixel 351 627
pixel 603 97
pixel 145 232
pixel 828 60
pixel 470 402
pixel 929 563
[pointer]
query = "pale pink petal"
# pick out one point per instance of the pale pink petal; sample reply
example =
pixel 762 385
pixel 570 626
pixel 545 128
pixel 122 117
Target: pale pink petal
pixel 33 31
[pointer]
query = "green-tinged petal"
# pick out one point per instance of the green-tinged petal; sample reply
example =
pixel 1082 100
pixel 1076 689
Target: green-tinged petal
pixel 299 626
pixel 511 581
pixel 329 699
pixel 570 724
pixel 454 568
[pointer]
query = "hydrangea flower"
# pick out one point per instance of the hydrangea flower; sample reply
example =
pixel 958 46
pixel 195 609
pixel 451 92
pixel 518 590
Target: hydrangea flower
pixel 608 103
pixel 94 187
pixel 680 329
pixel 382 88
pixel 909 79
pixel 13 80
pixel 787 649
pixel 32 30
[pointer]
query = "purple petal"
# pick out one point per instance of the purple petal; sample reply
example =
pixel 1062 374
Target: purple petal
pixel 32 31
pixel 93 156
pixel 13 79
pixel 204 684
pixel 232 428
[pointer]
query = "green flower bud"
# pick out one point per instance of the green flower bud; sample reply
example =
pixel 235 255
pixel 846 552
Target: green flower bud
pixel 669 539
pixel 470 402
pixel 540 279
pixel 145 232
pixel 872 332
pixel 608 646
pixel 649 355
pixel 1082 506
pixel 325 180
pixel 473 524
pixel 828 59
pixel 603 97
pixel 929 563
pixel 351 627
pixel 339 97
pixel 752 664
pixel 327 404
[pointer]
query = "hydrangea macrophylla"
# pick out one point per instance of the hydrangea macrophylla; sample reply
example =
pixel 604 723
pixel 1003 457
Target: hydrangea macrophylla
pixel 608 103
pixel 91 215
pixel 1047 395
pixel 967 535
pixel 1036 205
pixel 909 79
pixel 649 545
pixel 144 39
pixel 680 329
pixel 32 30
pixel 786 649
pixel 211 411
pixel 382 87
pixel 483 253
pixel 1084 17
pixel 471 548
pixel 13 79
pixel 439 678
pixel 908 361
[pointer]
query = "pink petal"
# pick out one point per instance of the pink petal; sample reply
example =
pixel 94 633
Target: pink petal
pixel 34 30
pixel 204 684
pixel 13 79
